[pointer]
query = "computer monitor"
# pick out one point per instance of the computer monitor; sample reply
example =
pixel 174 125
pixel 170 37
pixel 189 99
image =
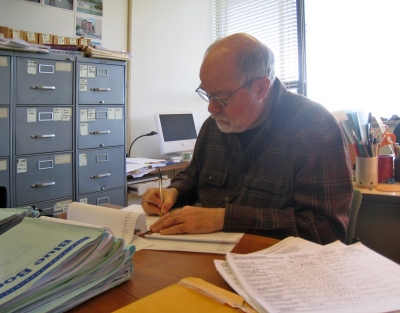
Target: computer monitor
pixel 177 132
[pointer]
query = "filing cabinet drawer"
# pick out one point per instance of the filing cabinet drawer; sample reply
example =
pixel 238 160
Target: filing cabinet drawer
pixel 52 207
pixel 100 83
pixel 101 126
pixel 4 182
pixel 116 197
pixel 43 177
pixel 101 170
pixel 4 130
pixel 43 81
pixel 43 129
pixel 5 78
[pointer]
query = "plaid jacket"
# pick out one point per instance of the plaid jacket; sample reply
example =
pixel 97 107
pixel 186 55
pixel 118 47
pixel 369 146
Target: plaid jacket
pixel 294 178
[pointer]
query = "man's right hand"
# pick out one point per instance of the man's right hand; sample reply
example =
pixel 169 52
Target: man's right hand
pixel 151 201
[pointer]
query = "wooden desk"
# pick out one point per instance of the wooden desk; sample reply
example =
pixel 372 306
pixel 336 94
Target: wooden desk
pixel 155 270
pixel 378 222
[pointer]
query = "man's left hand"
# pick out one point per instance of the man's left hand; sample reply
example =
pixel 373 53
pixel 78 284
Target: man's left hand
pixel 191 220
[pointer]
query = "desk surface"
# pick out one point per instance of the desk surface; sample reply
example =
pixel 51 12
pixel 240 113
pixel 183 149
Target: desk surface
pixel 155 270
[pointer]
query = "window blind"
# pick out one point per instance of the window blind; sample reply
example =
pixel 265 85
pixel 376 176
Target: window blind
pixel 273 22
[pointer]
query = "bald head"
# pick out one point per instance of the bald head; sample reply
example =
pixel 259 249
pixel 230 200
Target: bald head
pixel 242 55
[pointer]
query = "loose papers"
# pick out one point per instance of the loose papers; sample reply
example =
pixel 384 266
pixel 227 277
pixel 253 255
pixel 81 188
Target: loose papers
pixel 332 278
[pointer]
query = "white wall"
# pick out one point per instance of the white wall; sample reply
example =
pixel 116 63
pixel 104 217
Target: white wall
pixel 168 41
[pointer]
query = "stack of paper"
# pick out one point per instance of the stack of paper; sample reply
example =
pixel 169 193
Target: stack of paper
pixel 299 277
pixel 96 51
pixel 22 45
pixel 46 266
pixel 138 167
pixel 11 217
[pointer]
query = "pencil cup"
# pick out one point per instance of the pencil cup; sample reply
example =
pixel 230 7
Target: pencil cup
pixel 367 171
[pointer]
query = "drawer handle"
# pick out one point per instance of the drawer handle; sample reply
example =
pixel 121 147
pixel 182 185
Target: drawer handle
pixel 100 175
pixel 43 185
pixel 100 89
pixel 43 136
pixel 99 132
pixel 44 87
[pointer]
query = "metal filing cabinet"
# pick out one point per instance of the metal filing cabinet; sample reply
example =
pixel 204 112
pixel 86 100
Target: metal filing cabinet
pixel 101 176
pixel 44 130
pixel 5 125
pixel 63 120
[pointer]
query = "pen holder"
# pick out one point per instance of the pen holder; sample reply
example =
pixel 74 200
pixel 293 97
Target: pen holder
pixel 367 171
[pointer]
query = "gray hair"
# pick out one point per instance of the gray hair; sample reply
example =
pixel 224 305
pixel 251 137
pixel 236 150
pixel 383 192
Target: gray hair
pixel 256 61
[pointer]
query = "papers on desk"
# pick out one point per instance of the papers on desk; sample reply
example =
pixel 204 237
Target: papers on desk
pixel 11 217
pixel 138 167
pixel 22 45
pixel 218 242
pixel 45 266
pixel 300 277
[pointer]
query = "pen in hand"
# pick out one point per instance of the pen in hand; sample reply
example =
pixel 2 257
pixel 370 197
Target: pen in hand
pixel 160 185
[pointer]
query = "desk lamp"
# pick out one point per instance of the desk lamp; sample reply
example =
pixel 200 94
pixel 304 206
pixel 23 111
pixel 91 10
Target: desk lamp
pixel 152 133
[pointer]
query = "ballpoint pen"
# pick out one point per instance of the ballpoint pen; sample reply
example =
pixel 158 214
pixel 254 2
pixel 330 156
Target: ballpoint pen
pixel 160 184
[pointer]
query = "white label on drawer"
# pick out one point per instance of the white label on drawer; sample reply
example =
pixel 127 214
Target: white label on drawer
pixel 32 67
pixel 83 115
pixel 64 66
pixel 22 166
pixel 58 207
pixel 3 60
pixel 91 115
pixel 83 200
pixel 111 113
pixel 82 159
pixel 65 208
pixel 118 113
pixel 3 165
pixel 3 112
pixel 57 113
pixel 83 85
pixel 83 129
pixel 31 115
pixel 62 159
pixel 91 71
pixel 66 114
pixel 83 71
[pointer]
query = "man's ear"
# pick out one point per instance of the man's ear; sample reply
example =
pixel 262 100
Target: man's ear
pixel 261 87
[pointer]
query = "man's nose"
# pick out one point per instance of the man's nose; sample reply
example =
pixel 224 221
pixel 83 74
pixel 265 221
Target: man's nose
pixel 214 107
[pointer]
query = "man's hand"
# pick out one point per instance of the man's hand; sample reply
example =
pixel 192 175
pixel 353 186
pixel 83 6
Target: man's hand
pixel 189 219
pixel 151 201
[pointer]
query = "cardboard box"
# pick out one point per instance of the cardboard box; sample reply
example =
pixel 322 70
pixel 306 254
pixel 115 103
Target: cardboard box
pixel 45 39
pixel 71 41
pixel 4 32
pixel 59 40
pixel 16 34
pixel 31 37
pixel 83 41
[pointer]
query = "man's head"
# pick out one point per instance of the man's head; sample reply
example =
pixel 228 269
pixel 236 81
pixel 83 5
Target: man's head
pixel 236 73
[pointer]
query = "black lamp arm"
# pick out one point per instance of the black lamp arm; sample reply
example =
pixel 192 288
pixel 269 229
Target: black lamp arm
pixel 148 134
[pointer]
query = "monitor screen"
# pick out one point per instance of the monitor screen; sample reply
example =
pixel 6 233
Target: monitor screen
pixel 176 131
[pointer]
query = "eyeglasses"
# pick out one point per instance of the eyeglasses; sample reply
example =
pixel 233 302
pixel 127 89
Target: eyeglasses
pixel 222 102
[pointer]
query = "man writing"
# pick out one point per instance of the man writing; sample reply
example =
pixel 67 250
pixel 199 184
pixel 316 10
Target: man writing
pixel 267 161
